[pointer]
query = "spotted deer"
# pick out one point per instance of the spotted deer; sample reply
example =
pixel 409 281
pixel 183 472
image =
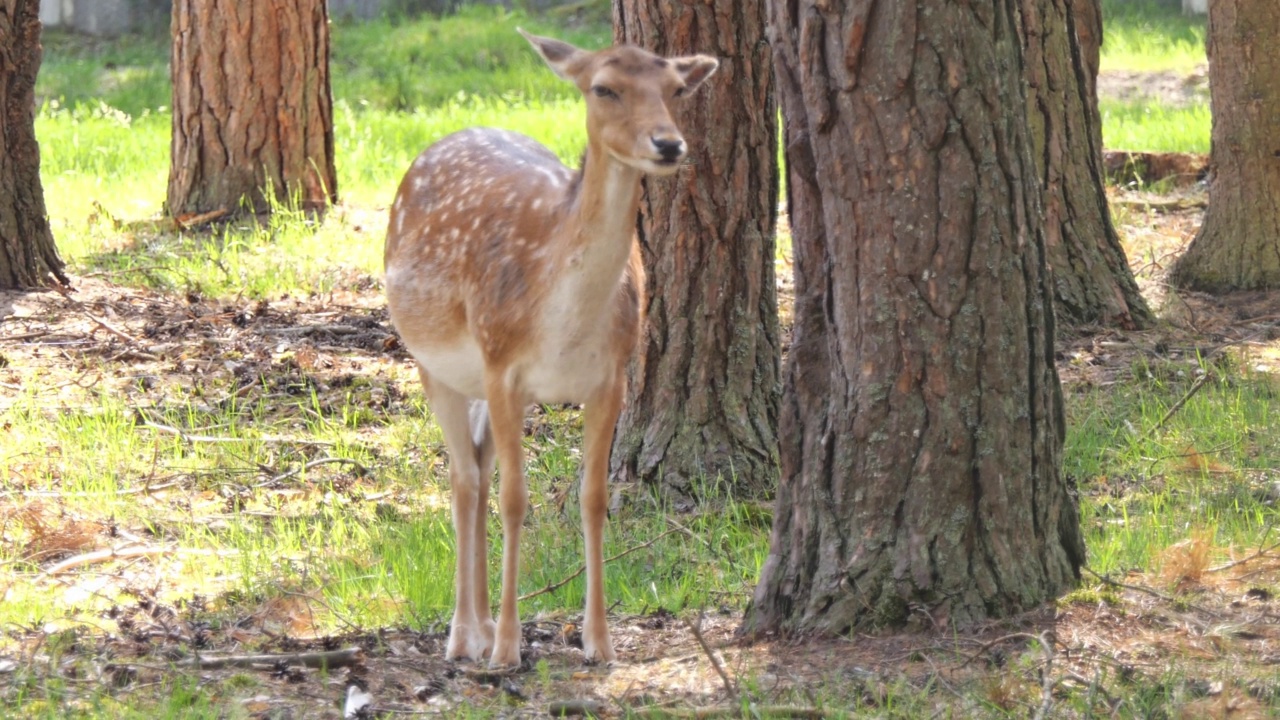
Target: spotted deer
pixel 514 280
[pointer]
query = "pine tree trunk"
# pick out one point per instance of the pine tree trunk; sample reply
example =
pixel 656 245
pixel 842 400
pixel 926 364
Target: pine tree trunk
pixel 922 419
pixel 1238 246
pixel 704 393
pixel 28 257
pixel 1091 276
pixel 252 109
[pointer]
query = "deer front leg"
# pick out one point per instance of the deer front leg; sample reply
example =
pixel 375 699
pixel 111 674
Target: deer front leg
pixel 506 420
pixel 470 632
pixel 601 414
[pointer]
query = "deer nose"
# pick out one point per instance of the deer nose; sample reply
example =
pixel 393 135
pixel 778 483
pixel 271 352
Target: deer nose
pixel 670 149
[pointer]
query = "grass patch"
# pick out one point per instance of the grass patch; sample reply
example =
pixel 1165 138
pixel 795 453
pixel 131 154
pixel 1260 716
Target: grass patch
pixel 1152 127
pixel 1150 35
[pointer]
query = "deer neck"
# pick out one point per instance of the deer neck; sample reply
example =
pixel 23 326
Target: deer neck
pixel 601 229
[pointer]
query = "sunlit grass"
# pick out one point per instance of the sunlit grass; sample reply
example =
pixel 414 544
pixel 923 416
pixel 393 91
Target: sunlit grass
pixel 1152 127
pixel 1150 35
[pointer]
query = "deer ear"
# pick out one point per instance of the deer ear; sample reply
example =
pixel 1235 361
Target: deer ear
pixel 560 56
pixel 694 69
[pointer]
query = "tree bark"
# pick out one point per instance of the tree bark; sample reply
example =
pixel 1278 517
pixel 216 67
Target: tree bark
pixel 28 256
pixel 922 419
pixel 703 400
pixel 252 109
pixel 1238 245
pixel 1091 276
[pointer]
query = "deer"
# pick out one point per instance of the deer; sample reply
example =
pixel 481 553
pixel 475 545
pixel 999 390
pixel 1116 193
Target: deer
pixel 513 280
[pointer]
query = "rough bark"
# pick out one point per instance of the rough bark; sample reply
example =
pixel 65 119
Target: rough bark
pixel 1091 276
pixel 252 109
pixel 922 419
pixel 703 399
pixel 1238 245
pixel 28 257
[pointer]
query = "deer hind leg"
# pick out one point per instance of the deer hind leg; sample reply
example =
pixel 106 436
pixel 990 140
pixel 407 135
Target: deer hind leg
pixel 506 420
pixel 471 634
pixel 601 414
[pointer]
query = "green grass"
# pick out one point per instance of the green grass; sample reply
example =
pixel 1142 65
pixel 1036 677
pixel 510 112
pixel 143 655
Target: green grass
pixel 1150 35
pixel 1148 485
pixel 1152 127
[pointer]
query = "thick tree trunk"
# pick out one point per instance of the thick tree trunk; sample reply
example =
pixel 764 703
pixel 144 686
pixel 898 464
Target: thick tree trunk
pixel 922 418
pixel 1091 276
pixel 1238 246
pixel 28 257
pixel 252 109
pixel 704 393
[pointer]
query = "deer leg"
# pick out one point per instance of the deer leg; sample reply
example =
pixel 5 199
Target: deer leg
pixel 467 633
pixel 601 414
pixel 483 436
pixel 506 420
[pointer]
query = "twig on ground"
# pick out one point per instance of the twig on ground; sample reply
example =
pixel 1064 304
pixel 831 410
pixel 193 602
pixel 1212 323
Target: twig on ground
pixel 696 629
pixel 23 336
pixel 1237 563
pixel 575 708
pixel 1004 638
pixel 730 711
pixel 1195 388
pixel 1046 678
pixel 215 439
pixel 1152 592
pixel 331 328
pixel 359 468
pixel 99 556
pixel 557 585
pixel 327 659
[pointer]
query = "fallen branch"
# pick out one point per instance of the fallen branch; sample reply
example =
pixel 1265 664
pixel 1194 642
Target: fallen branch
pixel 360 469
pixel 1046 679
pixel 99 556
pixel 1237 563
pixel 215 439
pixel 1004 638
pixel 575 708
pixel 730 711
pixel 23 336
pixel 1195 388
pixel 327 659
pixel 1152 592
pixel 557 585
pixel 696 629
pixel 333 329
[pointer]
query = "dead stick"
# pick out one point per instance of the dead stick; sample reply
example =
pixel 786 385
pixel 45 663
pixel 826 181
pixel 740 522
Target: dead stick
pixel 1236 563
pixel 99 556
pixel 360 469
pixel 729 711
pixel 575 708
pixel 1004 638
pixel 213 439
pixel 1046 678
pixel 715 662
pixel 329 659
pixel 1195 388
pixel 1152 592
pixel 557 585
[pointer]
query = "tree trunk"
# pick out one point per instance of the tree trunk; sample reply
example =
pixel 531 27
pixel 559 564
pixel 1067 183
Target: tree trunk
pixel 252 110
pixel 922 419
pixel 1091 276
pixel 1238 246
pixel 28 257
pixel 703 400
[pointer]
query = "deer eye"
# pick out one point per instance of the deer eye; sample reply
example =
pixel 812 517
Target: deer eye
pixel 604 92
pixel 680 91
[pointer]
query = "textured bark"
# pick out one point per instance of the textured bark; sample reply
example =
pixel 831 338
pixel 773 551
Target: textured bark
pixel 28 257
pixel 922 419
pixel 252 109
pixel 1238 246
pixel 1091 276
pixel 703 399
